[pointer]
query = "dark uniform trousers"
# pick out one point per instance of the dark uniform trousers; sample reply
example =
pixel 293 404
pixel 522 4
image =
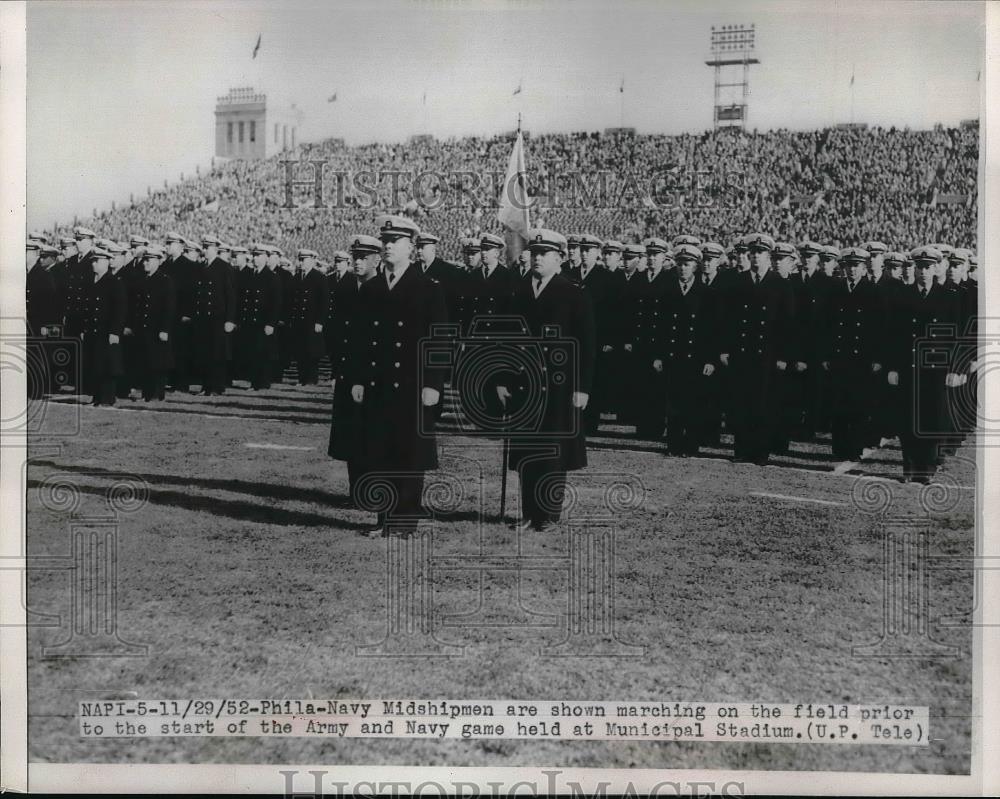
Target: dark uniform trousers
pixel 650 413
pixel 182 272
pixel 556 442
pixel 600 287
pixel 132 275
pixel 963 410
pixel 852 344
pixel 106 310
pixel 345 324
pixel 882 416
pixel 760 331
pixel 396 434
pixel 256 350
pixel 214 304
pixel 627 337
pixel 310 306
pixel 685 345
pixel 922 351
pixel 801 388
pixel 77 276
pixel 483 299
pixel 283 332
pixel 42 304
pixel 714 391
pixel 155 303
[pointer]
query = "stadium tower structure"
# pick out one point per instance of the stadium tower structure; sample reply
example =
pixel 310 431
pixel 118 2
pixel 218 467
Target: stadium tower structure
pixel 732 53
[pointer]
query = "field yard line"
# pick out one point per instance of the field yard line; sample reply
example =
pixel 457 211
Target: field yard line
pixel 794 499
pixel 845 467
pixel 253 445
pixel 118 407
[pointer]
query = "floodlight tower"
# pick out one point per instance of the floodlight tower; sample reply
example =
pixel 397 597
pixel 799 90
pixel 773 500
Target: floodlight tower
pixel 732 54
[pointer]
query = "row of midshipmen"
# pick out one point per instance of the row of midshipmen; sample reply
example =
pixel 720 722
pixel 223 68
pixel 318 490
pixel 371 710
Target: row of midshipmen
pixel 659 354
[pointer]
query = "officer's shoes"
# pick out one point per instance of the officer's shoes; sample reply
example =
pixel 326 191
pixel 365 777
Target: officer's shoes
pixel 522 525
pixel 544 527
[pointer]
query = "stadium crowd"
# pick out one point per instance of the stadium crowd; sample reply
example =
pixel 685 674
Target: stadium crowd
pixel 838 185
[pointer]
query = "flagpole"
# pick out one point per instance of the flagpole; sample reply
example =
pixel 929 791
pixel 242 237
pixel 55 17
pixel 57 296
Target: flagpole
pixel 621 110
pixel 852 94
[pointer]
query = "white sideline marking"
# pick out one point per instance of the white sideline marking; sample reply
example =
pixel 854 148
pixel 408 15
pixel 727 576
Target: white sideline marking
pixel 794 499
pixel 252 445
pixel 845 467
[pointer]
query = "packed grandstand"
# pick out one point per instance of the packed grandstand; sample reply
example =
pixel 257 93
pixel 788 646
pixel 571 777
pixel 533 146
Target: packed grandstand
pixel 842 185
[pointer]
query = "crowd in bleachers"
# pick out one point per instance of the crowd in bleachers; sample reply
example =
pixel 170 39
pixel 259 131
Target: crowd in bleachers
pixel 838 185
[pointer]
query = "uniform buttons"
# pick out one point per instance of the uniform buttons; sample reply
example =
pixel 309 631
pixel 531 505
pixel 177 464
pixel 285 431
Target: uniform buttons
pixel 373 382
pixel 400 324
pixel 373 363
pixel 395 385
pixel 396 364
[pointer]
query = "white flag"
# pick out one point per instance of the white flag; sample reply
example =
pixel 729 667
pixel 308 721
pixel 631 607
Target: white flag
pixel 513 213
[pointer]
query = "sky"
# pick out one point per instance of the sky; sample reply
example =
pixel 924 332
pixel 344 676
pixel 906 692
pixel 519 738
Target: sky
pixel 121 94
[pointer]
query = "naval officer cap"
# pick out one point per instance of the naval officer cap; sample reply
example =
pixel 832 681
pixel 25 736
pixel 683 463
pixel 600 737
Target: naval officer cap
pixel 37 235
pixel 960 256
pixel 257 248
pixel 712 249
pixel 687 252
pixel 809 247
pixel 544 240
pixel 875 247
pixel 656 245
pixel 759 241
pixel 926 255
pixel 304 253
pixel 694 241
pixel 153 251
pixel 471 245
pixel 99 253
pixel 829 253
pixel 635 251
pixel 854 255
pixel 67 241
pixel 341 255
pixel 784 249
pixel 192 245
pixel 589 241
pixel 944 249
pixel 111 246
pixel 135 240
pixel 365 245
pixel 573 240
pixel 83 233
pixel 173 236
pixel 33 244
pixel 895 258
pixel 611 245
pixel 427 238
pixel 48 249
pixel 237 249
pixel 284 261
pixel 973 260
pixel 210 240
pixel 491 241
pixel 391 227
pixel 223 247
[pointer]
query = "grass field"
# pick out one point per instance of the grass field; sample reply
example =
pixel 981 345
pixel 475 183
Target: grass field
pixel 247 575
